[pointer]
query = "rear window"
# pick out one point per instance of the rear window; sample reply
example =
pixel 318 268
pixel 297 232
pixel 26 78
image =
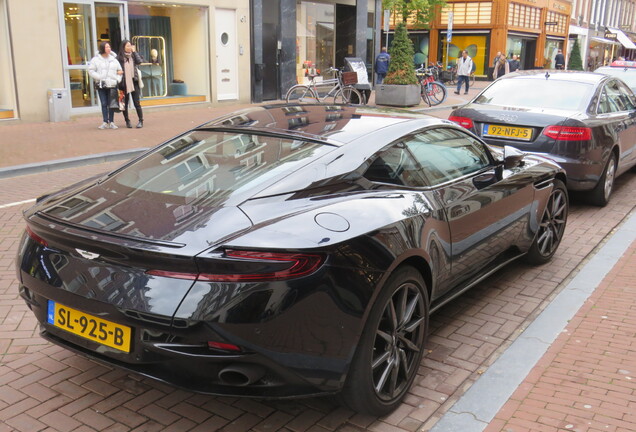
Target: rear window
pixel 204 164
pixel 538 93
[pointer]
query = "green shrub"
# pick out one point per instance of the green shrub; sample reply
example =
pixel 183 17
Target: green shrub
pixel 401 69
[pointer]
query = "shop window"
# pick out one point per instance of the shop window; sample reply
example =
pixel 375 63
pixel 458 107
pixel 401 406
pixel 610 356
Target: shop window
pixel 173 41
pixel 315 39
pixel 476 47
pixel 560 19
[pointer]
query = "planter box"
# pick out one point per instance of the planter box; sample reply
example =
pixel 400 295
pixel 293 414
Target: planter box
pixel 397 95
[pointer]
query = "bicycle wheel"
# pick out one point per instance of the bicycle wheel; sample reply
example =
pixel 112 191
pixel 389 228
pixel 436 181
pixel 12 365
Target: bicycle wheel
pixel 452 77
pixel 300 93
pixel 348 95
pixel 436 93
pixel 424 93
pixel 472 79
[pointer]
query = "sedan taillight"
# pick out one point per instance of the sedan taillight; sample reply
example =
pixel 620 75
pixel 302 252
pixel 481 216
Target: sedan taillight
pixel 462 121
pixel 36 237
pixel 568 133
pixel 259 266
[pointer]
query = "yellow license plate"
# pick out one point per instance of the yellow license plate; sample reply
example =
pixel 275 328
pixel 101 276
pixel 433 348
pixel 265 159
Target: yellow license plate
pixel 508 132
pixel 90 327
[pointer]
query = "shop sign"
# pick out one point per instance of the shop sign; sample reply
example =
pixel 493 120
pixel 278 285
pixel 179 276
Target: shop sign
pixel 611 36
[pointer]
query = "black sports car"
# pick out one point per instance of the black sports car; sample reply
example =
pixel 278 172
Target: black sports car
pixel 285 251
pixel 586 122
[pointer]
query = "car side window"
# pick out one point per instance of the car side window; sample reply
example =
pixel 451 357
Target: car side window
pixel 626 97
pixel 446 154
pixel 395 166
pixel 611 100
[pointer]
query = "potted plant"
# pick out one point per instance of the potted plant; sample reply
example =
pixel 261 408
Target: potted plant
pixel 400 86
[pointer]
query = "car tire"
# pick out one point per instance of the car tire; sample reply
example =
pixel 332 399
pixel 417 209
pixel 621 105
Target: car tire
pixel 391 347
pixel 551 227
pixel 600 195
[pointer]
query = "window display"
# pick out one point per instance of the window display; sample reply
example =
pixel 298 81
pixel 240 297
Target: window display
pixel 153 70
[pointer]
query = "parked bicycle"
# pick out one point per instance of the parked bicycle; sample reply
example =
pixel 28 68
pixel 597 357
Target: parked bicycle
pixel 432 92
pixel 338 90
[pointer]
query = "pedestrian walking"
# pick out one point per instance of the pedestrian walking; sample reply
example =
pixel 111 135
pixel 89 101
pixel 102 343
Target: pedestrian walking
pixel 130 59
pixel 464 69
pixel 382 65
pixel 559 60
pixel 106 73
pixel 501 68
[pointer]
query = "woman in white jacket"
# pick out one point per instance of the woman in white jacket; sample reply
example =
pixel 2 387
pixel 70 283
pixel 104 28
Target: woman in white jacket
pixel 106 73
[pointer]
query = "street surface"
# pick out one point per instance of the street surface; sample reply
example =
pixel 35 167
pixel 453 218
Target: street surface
pixel 49 388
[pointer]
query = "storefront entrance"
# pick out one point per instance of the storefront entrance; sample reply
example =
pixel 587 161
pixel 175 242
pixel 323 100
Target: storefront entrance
pixel 86 25
pixel 171 74
pixel 524 47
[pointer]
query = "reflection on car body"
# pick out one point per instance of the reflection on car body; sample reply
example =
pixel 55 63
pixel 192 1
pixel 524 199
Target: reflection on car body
pixel 311 269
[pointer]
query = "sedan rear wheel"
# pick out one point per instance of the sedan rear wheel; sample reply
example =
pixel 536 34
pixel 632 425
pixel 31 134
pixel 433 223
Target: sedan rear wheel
pixel 601 193
pixel 551 227
pixel 391 347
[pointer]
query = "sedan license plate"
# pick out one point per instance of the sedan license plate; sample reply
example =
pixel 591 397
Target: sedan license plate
pixel 508 132
pixel 90 327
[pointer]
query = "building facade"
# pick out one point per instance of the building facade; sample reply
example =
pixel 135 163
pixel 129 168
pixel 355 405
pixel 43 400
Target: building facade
pixel 293 39
pixel 194 51
pixel 605 29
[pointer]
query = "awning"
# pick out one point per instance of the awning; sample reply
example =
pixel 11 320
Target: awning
pixel 604 41
pixel 622 38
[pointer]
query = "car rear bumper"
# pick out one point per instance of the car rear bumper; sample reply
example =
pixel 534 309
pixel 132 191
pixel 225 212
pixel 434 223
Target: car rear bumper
pixel 582 174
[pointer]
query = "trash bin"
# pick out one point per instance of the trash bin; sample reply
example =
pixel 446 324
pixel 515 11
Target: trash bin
pixel 59 105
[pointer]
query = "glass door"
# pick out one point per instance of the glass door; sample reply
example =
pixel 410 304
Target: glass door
pixel 86 25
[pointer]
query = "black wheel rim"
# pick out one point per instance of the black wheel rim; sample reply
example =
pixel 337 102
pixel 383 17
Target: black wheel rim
pixel 398 342
pixel 553 223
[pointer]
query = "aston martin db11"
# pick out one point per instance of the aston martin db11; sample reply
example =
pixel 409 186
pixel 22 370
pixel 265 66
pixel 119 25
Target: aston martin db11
pixel 285 251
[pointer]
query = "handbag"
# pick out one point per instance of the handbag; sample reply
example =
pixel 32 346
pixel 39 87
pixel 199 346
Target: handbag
pixel 139 80
pixel 113 99
pixel 122 105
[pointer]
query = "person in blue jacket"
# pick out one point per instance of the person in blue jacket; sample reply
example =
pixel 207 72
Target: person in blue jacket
pixel 382 65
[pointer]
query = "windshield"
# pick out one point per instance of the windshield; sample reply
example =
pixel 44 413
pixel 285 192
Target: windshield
pixel 204 165
pixel 538 93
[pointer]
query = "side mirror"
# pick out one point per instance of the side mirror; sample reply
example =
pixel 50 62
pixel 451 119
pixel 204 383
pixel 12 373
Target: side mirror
pixel 512 157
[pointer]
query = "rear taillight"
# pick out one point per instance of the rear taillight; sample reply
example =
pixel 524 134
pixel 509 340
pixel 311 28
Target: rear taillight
pixel 462 121
pixel 568 133
pixel 36 238
pixel 260 266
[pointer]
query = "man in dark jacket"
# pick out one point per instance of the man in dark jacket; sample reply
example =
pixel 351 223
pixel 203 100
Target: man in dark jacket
pixel 559 60
pixel 514 63
pixel 382 65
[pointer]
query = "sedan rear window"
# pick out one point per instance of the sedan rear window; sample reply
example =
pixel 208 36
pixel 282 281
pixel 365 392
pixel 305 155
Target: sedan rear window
pixel 217 164
pixel 538 93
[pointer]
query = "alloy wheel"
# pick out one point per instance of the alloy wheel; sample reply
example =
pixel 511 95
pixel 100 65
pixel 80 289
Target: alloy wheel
pixel 553 223
pixel 398 341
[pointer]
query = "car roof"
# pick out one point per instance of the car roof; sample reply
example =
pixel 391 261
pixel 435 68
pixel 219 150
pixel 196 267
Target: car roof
pixel 562 75
pixel 331 124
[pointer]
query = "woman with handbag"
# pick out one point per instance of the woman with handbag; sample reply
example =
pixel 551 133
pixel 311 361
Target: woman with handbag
pixel 106 73
pixel 131 84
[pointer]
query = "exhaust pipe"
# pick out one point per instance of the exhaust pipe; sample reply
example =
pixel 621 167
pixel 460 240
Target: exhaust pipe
pixel 241 375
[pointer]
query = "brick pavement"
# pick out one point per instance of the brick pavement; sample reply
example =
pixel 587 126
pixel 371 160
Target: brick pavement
pixel 48 388
pixel 586 381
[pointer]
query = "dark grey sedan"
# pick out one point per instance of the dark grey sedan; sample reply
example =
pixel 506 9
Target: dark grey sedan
pixel 586 122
